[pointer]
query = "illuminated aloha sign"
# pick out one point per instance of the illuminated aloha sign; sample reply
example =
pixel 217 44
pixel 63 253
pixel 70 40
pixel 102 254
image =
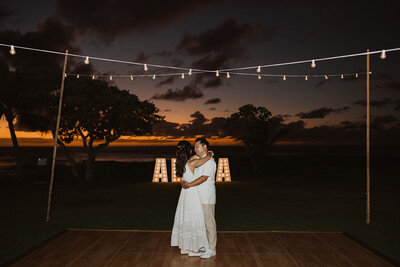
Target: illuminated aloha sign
pixel 160 171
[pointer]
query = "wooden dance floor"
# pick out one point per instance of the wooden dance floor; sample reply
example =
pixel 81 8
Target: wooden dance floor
pixel 152 248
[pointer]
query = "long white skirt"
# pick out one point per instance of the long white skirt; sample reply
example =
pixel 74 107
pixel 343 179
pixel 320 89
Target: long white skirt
pixel 189 230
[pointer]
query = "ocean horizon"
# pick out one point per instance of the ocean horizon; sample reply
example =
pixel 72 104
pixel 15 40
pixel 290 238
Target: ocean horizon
pixel 31 154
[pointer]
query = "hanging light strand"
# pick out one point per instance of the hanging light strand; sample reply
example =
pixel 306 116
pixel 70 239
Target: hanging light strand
pixel 258 67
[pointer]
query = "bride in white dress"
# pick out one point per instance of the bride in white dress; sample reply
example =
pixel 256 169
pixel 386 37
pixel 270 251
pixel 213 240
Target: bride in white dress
pixel 189 230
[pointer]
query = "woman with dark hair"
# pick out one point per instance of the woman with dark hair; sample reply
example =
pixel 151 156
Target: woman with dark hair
pixel 189 230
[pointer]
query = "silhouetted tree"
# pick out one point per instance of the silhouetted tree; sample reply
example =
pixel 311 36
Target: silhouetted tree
pixel 10 101
pixel 96 112
pixel 255 127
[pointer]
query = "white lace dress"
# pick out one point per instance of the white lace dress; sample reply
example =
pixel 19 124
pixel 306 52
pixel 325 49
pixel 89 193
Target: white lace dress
pixel 189 230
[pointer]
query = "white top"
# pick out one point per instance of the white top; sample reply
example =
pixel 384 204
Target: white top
pixel 207 189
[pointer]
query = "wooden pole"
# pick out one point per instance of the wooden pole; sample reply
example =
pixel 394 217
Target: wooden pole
pixel 368 211
pixel 53 165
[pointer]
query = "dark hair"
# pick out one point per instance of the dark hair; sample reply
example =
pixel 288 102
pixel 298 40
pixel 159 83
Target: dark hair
pixel 183 154
pixel 204 142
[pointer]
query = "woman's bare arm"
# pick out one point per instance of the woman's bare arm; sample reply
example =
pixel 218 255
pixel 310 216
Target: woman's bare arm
pixel 194 163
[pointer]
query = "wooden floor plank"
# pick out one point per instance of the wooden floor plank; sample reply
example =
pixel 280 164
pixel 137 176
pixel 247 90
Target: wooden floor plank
pixel 151 248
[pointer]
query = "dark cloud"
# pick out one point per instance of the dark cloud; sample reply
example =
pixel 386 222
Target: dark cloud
pixel 374 103
pixel 167 129
pixel 176 62
pixel 213 101
pixel 397 104
pixel 168 80
pixel 187 92
pixel 221 46
pixel 142 57
pixel 212 109
pixel 198 118
pixel 4 12
pixel 381 121
pixel 320 113
pixel 52 34
pixel 164 53
pixel 228 37
pixel 320 83
pixel 284 116
pixel 110 19
pixel 167 110
pixel 385 81
pixel 212 82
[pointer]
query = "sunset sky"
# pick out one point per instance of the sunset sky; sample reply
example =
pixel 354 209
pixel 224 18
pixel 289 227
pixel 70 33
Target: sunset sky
pixel 216 35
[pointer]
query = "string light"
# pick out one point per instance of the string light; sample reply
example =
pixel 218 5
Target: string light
pixel 228 75
pixel 217 72
pixel 326 77
pixel 306 78
pixel 154 77
pixel 12 50
pixel 77 76
pixel 313 65
pixel 65 75
pixel 93 77
pixel 183 76
pixel 383 54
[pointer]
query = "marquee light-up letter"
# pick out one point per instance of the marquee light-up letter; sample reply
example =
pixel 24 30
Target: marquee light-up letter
pixel 173 171
pixel 160 171
pixel 223 171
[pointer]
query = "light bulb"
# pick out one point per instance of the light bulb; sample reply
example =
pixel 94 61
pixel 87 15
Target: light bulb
pixel 77 76
pixel 284 77
pixel 217 74
pixel 259 77
pixel 190 72
pixel 326 77
pixel 306 78
pixel 356 75
pixel 383 54
pixel 131 78
pixel 145 67
pixel 93 77
pixel 227 75
pixel 110 77
pixel 86 60
pixel 12 50
pixel 154 77
pixel 65 75
pixel 341 76
pixel 313 65
pixel 183 76
pixel 258 69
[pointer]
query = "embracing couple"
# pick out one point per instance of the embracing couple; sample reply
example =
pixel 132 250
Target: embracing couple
pixel 195 230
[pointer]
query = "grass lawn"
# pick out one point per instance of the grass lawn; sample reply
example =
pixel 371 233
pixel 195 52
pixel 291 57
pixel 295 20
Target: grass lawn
pixel 308 193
